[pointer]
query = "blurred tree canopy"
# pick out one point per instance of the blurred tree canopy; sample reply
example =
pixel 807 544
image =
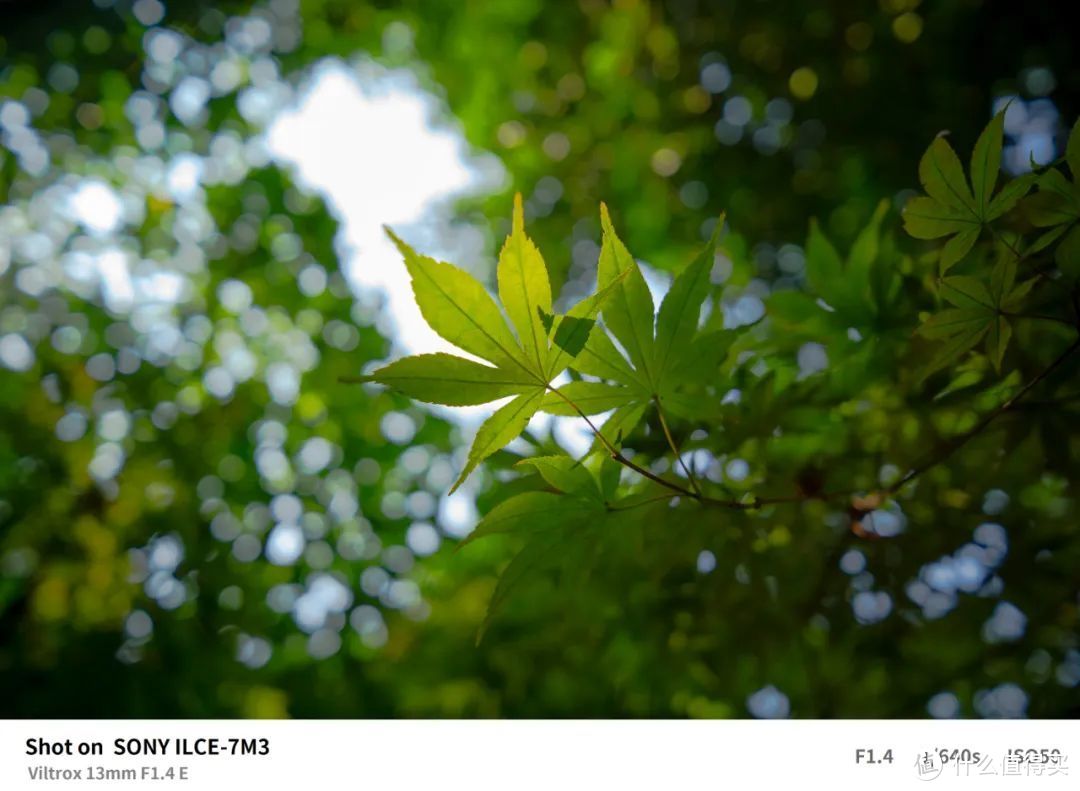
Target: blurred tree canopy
pixel 199 517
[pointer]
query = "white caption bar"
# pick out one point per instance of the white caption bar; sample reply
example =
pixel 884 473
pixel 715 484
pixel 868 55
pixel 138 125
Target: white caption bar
pixel 571 755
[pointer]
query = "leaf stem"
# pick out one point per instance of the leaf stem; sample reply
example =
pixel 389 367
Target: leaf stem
pixel 737 505
pixel 675 448
pixel 617 455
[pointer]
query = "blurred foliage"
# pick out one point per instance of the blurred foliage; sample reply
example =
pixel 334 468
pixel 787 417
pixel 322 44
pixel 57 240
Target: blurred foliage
pixel 679 110
pixel 197 515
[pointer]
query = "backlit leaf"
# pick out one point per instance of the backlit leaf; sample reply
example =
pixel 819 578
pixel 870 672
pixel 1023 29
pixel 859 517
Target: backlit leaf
pixel 457 307
pixel 592 398
pixel 677 321
pixel 601 358
pixel 571 333
pixel 622 421
pixel 449 380
pixel 1010 195
pixel 499 429
pixel 629 312
pixel 524 289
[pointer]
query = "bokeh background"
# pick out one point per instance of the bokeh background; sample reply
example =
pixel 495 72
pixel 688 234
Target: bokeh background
pixel 198 519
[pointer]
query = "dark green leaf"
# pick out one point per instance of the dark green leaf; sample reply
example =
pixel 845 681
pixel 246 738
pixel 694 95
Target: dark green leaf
pixel 985 164
pixel 567 475
pixel 1072 151
pixel 997 341
pixel 953 321
pixel 677 321
pixel 942 176
pixel 926 218
pixel 1067 254
pixel 532 512
pixel 967 292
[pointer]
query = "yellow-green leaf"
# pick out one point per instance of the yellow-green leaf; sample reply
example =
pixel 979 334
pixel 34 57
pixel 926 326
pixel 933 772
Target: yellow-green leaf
pixel 457 307
pixel 524 289
pixel 449 380
pixel 601 358
pixel 592 398
pixel 500 429
pixel 864 250
pixel 570 333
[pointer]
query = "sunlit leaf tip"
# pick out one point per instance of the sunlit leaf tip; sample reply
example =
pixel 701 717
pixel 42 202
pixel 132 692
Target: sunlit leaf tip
pixel 519 215
pixel 605 218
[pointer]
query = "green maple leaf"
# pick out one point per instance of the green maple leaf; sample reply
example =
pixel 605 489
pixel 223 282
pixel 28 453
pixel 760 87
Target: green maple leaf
pixel 980 311
pixel 955 208
pixel 524 355
pixel 556 528
pixel 663 350
pixel 1056 206
pixel 846 286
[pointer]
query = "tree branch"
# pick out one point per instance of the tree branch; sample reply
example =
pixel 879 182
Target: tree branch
pixel 953 445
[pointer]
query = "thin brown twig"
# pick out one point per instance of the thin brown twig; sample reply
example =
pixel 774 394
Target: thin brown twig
pixel 756 502
pixel 953 445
